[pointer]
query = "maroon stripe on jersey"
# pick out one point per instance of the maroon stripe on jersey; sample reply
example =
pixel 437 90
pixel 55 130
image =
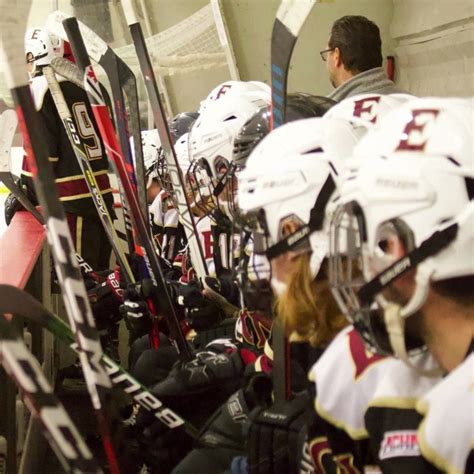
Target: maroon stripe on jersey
pixel 75 187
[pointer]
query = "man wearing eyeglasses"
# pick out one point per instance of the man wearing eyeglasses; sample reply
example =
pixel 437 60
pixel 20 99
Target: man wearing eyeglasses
pixel 353 58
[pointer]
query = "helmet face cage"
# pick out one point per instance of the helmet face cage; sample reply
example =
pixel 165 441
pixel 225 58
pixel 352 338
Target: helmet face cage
pixel 352 265
pixel 253 272
pixel 161 169
pixel 201 188
pixel 210 193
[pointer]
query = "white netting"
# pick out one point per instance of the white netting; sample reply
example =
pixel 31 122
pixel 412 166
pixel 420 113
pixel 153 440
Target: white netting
pixel 193 44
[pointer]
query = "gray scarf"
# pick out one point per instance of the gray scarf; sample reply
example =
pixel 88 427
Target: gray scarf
pixel 374 80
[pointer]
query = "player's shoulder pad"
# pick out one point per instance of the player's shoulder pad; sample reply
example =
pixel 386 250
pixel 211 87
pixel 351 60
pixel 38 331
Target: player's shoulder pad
pixel 446 434
pixel 346 377
pixel 401 386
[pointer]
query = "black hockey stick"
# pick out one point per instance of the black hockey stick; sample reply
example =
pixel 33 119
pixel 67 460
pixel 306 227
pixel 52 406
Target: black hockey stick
pixel 81 155
pixel 174 170
pixel 289 20
pixel 12 25
pixel 18 302
pixel 162 305
pixel 43 404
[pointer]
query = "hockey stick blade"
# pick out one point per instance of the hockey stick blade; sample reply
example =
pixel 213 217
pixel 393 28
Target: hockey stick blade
pixel 45 407
pixel 290 18
pixel 7 179
pixel 18 302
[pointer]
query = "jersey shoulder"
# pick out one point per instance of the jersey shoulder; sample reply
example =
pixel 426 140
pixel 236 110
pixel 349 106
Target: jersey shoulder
pixel 346 366
pixel 446 434
pixel 401 386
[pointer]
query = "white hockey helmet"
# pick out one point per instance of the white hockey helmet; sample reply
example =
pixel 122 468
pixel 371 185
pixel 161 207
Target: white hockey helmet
pixel 290 177
pixel 41 47
pixel 411 181
pixel 151 151
pixel 236 88
pixel 211 144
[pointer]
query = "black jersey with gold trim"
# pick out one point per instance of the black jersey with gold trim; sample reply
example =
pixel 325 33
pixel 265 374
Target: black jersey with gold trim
pixel 393 421
pixel 72 187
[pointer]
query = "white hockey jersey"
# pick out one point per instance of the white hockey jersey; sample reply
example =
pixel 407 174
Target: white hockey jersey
pixel 346 377
pixel 446 434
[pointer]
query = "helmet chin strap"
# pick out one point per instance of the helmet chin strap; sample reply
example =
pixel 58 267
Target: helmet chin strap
pixel 422 285
pixel 395 324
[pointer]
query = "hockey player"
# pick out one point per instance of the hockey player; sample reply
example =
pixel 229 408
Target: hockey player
pixel 338 434
pixel 406 212
pixel 88 235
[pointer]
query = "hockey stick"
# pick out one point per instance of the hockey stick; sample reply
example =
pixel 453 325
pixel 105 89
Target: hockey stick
pixel 164 305
pixel 80 152
pixel 43 404
pixel 174 170
pixel 18 302
pixel 12 22
pixel 122 80
pixel 289 20
pixel 72 73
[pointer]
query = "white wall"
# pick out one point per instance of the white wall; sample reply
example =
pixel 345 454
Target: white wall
pixel 434 44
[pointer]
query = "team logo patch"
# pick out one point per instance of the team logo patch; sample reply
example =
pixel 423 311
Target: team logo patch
pixel 399 444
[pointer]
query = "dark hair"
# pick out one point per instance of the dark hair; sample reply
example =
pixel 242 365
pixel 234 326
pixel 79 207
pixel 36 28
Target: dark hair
pixel 358 40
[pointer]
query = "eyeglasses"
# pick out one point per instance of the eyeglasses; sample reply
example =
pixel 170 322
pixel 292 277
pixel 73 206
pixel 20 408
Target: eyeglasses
pixel 324 53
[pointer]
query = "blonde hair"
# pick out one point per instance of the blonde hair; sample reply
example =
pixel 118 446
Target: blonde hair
pixel 308 308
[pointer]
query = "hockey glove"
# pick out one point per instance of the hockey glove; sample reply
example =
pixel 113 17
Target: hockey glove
pixel 135 312
pixel 201 312
pixel 12 206
pixel 105 299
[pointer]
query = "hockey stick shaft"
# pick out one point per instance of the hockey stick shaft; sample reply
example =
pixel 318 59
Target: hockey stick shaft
pixel 67 270
pixel 43 404
pixel 179 190
pixel 18 302
pixel 165 305
pixel 129 86
pixel 290 18
pixel 80 152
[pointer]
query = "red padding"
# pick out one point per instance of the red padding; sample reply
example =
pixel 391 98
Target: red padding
pixel 20 247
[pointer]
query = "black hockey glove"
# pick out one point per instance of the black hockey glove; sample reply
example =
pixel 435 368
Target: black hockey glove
pixel 135 312
pixel 12 206
pixel 201 312
pixel 105 299
pixel 276 436
pixel 161 448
